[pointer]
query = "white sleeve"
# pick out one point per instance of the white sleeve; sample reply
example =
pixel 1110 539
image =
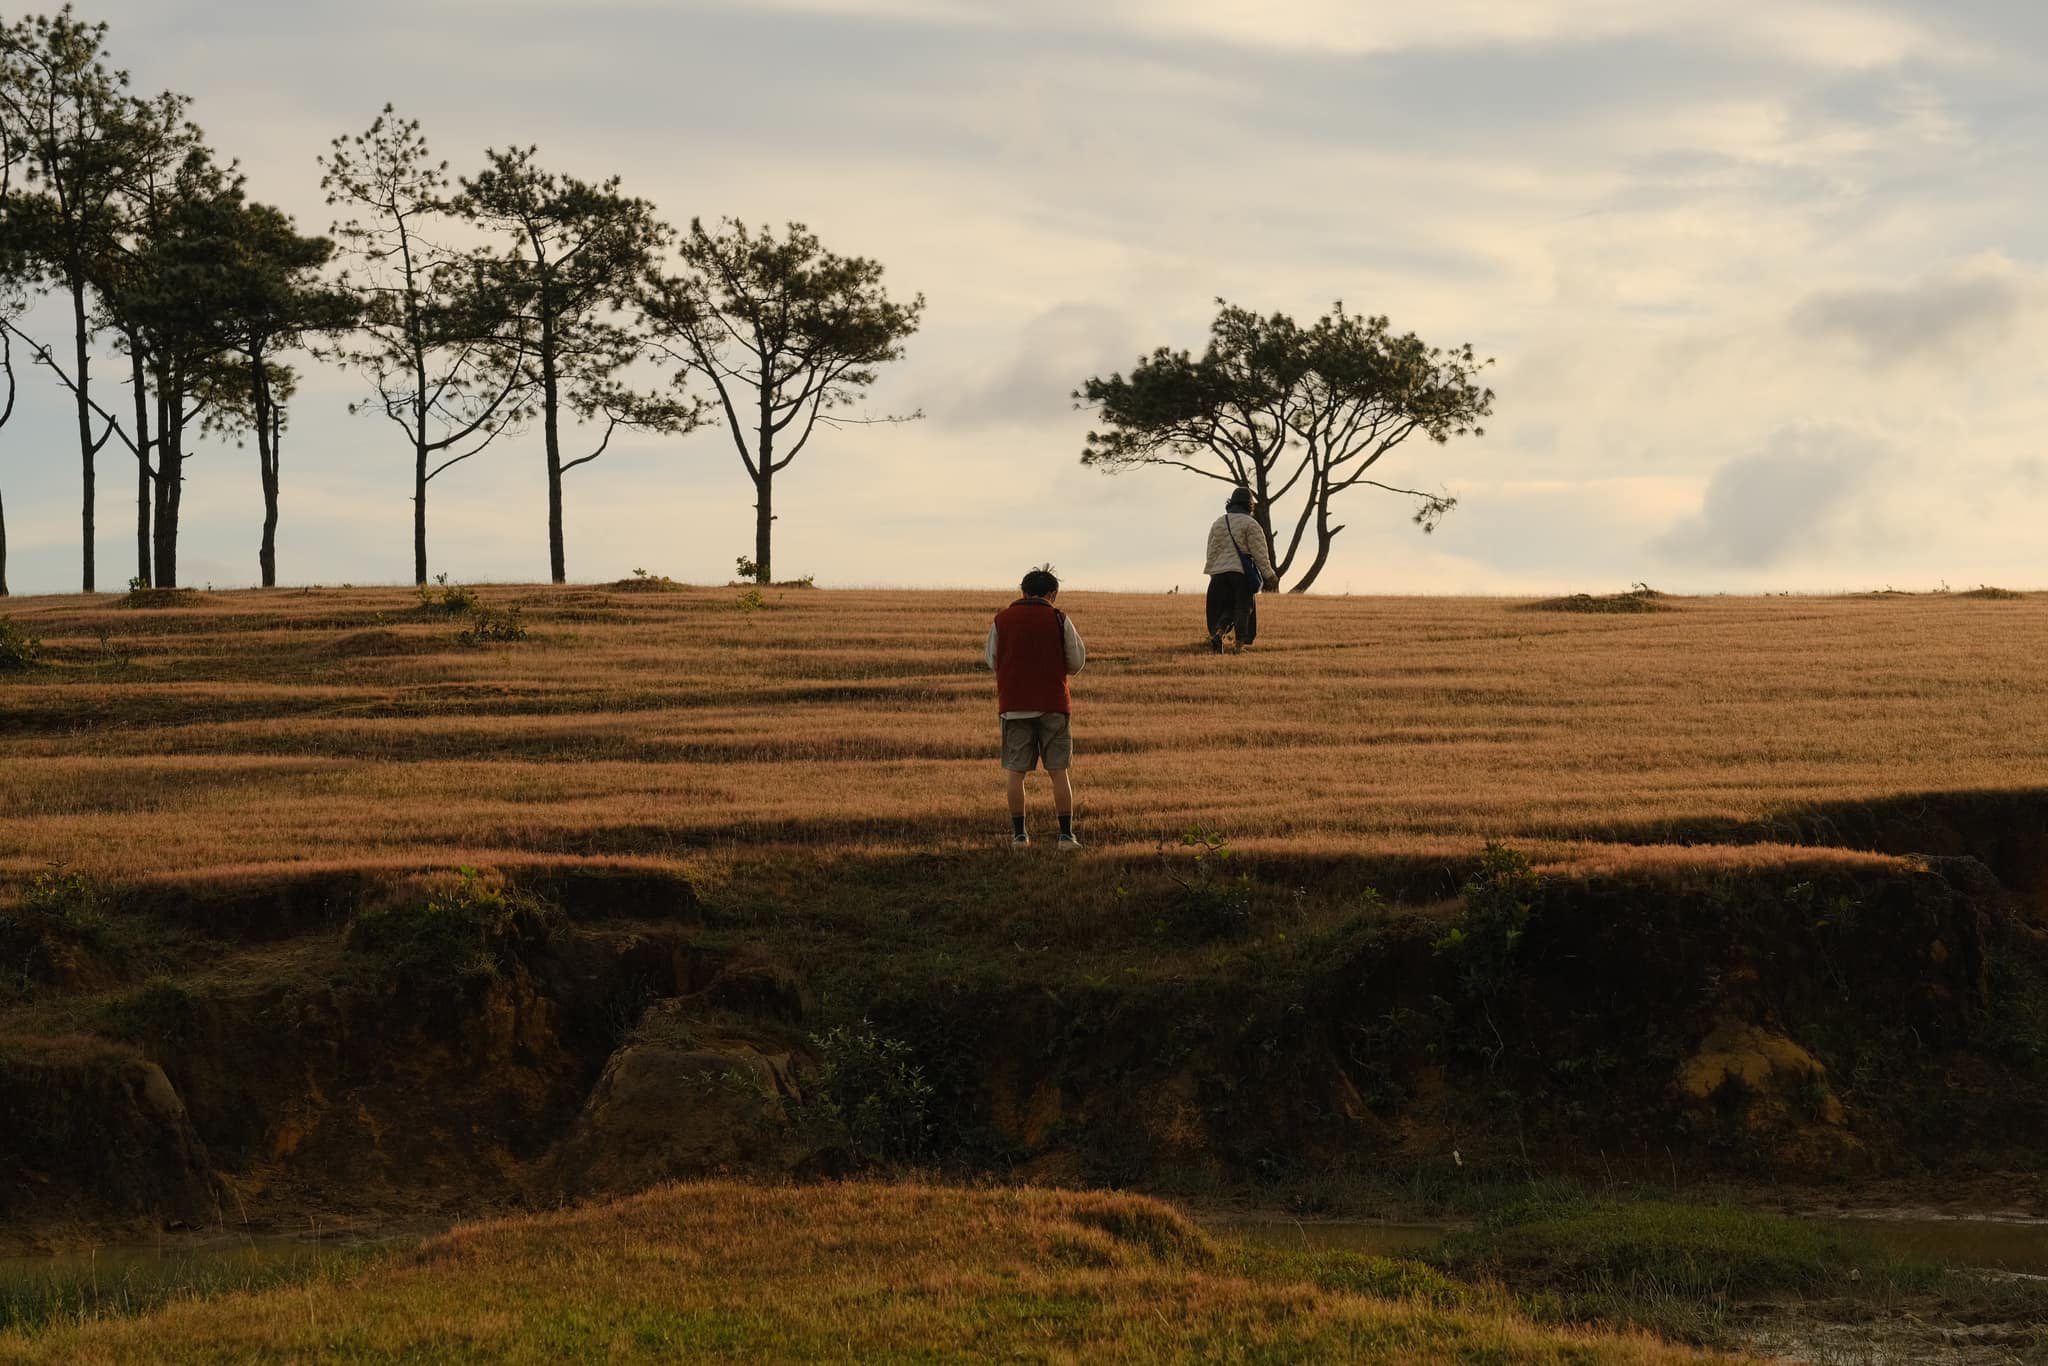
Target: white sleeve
pixel 988 653
pixel 1077 653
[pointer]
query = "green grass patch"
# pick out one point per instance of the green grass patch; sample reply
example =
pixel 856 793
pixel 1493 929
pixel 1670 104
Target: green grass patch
pixel 1675 1269
pixel 1575 1245
pixel 74 1291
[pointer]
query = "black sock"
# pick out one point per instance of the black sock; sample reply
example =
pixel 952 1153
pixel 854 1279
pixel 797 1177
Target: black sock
pixel 1067 824
pixel 1017 827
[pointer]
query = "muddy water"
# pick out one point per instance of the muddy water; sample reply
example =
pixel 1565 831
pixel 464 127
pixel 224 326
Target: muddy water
pixel 2014 1245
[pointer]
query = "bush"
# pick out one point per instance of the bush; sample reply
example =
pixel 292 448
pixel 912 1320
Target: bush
pixel 1499 899
pixel 454 601
pixel 465 930
pixel 18 649
pixel 492 626
pixel 54 910
pixel 1211 902
pixel 68 902
pixel 874 1093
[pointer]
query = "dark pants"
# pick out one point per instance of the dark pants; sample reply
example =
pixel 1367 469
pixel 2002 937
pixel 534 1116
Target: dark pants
pixel 1233 607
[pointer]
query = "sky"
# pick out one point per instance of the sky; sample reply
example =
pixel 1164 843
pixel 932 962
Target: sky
pixel 1765 281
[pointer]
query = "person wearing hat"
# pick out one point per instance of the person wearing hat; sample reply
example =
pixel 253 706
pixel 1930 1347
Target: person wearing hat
pixel 1239 565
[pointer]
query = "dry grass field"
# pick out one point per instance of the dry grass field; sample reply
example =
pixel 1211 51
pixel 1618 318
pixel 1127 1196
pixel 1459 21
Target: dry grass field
pixel 349 726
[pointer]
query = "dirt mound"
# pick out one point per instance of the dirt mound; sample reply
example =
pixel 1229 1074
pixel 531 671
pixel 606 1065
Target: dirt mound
pixel 374 644
pixel 681 1101
pixel 163 597
pixel 647 583
pixel 1990 594
pixel 1635 600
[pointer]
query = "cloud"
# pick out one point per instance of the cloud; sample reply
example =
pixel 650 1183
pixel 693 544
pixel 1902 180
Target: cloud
pixel 1055 351
pixel 1950 315
pixel 1761 510
pixel 1832 34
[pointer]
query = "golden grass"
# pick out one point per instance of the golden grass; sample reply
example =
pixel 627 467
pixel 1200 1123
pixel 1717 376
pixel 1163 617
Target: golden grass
pixel 855 1272
pixel 345 725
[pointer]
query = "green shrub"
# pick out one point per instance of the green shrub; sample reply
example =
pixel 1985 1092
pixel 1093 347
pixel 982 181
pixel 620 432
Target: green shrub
pixel 465 931
pixel 18 649
pixel 873 1092
pixel 1498 901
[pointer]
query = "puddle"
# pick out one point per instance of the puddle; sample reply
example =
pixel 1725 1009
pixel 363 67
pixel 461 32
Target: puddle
pixel 2018 1246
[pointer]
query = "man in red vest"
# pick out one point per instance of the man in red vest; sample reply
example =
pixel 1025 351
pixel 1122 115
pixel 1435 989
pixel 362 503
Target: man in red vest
pixel 1033 648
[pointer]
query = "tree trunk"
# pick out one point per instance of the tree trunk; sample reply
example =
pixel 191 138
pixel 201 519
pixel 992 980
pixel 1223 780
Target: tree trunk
pixel 419 511
pixel 1262 513
pixel 142 556
pixel 3 548
pixel 764 519
pixel 1325 535
pixel 85 448
pixel 551 421
pixel 266 459
pixel 170 478
pixel 764 489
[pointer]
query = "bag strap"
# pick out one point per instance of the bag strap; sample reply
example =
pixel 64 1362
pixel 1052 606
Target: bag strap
pixel 1231 527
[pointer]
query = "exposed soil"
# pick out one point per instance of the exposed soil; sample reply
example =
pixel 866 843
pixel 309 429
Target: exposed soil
pixel 259 1065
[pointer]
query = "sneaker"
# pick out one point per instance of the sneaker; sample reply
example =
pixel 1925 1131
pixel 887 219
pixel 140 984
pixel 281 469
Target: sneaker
pixel 1069 842
pixel 1019 841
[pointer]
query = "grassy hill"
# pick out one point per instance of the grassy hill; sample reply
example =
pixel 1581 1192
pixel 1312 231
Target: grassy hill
pixel 862 1273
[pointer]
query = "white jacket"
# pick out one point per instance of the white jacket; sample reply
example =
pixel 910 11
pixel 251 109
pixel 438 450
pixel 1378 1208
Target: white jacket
pixel 1244 530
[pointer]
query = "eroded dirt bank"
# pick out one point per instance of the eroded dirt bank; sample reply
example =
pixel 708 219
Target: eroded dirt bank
pixel 363 1044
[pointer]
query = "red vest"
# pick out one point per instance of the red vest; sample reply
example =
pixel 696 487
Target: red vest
pixel 1031 658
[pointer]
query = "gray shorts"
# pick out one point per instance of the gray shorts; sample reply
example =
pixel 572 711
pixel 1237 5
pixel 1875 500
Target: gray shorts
pixel 1045 737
